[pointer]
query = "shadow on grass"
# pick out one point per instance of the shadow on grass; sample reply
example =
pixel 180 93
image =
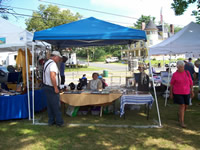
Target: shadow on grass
pixel 21 134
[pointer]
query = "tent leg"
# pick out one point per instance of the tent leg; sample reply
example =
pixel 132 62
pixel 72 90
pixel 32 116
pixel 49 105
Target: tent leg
pixel 33 100
pixel 157 107
pixel 27 83
pixel 168 81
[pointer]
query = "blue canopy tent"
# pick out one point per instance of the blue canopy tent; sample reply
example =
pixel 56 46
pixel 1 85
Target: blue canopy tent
pixel 89 32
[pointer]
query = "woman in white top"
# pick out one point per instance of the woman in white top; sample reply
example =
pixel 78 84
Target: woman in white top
pixel 95 84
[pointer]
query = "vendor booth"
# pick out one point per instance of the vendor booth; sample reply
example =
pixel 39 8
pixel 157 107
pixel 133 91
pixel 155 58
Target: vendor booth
pixel 13 103
pixel 186 41
pixel 90 32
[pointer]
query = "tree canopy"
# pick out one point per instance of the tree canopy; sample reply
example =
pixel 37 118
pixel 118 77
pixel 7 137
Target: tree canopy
pixel 99 53
pixel 146 19
pixel 180 6
pixel 50 16
pixel 4 9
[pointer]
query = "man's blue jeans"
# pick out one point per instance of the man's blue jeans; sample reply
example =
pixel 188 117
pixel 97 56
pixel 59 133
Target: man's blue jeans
pixel 54 113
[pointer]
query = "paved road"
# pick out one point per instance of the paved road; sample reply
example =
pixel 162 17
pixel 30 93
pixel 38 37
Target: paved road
pixel 110 66
pixel 122 67
pixel 119 70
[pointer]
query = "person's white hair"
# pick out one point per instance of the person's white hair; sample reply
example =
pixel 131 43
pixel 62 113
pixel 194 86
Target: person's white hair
pixel 180 63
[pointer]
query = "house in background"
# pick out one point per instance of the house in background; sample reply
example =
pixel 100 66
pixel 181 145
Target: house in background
pixel 138 51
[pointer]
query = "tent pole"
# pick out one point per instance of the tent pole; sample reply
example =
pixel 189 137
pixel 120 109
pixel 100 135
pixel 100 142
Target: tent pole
pixel 168 80
pixel 150 69
pixel 27 83
pixel 33 99
pixel 163 62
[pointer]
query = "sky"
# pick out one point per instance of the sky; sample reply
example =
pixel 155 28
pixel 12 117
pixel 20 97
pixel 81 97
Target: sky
pixel 131 8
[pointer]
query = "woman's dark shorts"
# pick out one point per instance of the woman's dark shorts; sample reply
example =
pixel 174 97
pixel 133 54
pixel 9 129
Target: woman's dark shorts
pixel 181 99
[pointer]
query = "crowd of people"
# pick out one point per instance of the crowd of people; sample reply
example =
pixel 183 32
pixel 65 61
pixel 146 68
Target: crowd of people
pixel 181 85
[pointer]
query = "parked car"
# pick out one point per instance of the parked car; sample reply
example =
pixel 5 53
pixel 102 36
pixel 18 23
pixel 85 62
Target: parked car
pixel 112 59
pixel 172 64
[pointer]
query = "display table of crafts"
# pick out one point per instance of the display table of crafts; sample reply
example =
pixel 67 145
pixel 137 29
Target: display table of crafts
pixel 92 98
pixel 84 98
pixel 16 106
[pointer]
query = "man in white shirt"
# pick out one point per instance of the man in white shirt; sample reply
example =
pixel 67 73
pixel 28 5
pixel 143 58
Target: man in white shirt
pixel 51 80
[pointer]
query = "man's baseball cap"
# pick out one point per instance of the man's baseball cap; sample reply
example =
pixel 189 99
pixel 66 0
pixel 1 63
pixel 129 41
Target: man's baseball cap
pixel 56 53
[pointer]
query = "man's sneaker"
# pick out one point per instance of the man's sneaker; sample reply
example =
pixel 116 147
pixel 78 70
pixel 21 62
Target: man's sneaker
pixel 60 125
pixel 51 124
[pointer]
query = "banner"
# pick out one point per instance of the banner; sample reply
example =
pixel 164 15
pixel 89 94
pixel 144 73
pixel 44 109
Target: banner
pixel 2 40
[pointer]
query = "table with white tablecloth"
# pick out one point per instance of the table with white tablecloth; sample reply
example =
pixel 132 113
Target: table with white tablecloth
pixel 137 98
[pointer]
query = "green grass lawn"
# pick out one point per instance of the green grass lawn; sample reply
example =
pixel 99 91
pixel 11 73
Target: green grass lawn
pixel 21 134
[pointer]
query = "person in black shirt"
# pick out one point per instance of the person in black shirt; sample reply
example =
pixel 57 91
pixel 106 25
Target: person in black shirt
pixel 142 79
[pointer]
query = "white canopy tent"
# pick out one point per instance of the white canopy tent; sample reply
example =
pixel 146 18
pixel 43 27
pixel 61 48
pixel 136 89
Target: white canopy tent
pixel 185 41
pixel 13 38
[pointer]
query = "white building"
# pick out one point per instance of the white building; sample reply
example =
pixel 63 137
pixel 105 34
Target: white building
pixel 155 35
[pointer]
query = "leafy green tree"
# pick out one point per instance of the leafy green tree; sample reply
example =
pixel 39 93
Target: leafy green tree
pixel 176 29
pixel 180 6
pixel 50 16
pixel 146 19
pixel 196 13
pixel 100 52
pixel 4 10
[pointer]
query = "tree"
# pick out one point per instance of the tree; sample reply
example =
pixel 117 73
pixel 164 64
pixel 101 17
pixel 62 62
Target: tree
pixel 4 10
pixel 180 6
pixel 196 13
pixel 100 52
pixel 50 16
pixel 176 29
pixel 146 19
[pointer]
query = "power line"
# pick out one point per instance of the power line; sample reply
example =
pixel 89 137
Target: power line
pixel 78 8
pixel 18 14
pixel 35 16
pixel 54 13
pixel 97 11
pixel 18 8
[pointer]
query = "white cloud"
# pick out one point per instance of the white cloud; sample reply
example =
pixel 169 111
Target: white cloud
pixel 136 8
